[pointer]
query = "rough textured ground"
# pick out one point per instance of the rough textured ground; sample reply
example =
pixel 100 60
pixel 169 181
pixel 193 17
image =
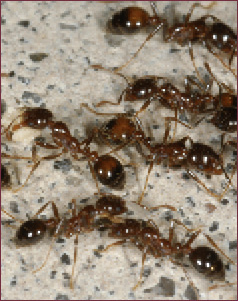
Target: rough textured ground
pixel 73 37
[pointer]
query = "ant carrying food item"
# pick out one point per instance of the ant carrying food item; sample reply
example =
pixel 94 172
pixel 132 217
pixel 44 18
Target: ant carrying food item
pixel 107 169
pixel 86 220
pixel 147 238
pixel 216 36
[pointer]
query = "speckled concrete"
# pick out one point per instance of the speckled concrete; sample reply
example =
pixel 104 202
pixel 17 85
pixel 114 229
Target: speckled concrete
pixel 73 37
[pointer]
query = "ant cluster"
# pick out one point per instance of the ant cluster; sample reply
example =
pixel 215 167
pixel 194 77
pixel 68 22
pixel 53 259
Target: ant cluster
pixel 126 129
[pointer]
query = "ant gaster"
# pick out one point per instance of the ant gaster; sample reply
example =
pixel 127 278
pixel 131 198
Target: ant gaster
pixel 130 20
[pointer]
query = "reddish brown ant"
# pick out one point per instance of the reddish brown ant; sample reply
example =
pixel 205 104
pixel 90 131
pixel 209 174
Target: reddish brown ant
pixel 218 35
pixel 188 154
pixel 132 19
pixel 148 89
pixel 148 239
pixel 86 220
pixel 106 168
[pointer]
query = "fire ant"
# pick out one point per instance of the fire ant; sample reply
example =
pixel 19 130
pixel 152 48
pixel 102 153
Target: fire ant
pixel 132 19
pixel 86 220
pixel 188 154
pixel 148 89
pixel 147 238
pixel 107 169
pixel 218 35
pixel 10 74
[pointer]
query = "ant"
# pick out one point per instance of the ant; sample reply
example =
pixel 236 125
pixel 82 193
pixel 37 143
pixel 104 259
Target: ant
pixel 86 220
pixel 188 154
pixel 107 169
pixel 5 177
pixel 148 89
pixel 130 20
pixel 218 35
pixel 147 238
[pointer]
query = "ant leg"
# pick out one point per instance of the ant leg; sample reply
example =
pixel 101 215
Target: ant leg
pixel 185 227
pixel 117 243
pixel 197 5
pixel 75 258
pixel 190 48
pixel 220 59
pixel 187 276
pixel 50 247
pixel 156 207
pixel 16 127
pixel 11 216
pixel 142 269
pixel 213 194
pixel 146 182
pixel 224 86
pixel 221 285
pixel 95 112
pixel 100 67
pixel 54 209
pixel 144 106
pixel 94 176
pixel 168 121
pixel 35 167
pixel 150 36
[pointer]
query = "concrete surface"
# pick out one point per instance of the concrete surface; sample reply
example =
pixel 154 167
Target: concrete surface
pixel 73 37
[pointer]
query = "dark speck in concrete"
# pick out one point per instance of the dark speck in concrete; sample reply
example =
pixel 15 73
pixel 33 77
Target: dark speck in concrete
pixel 83 201
pixel 60 240
pixel 29 95
pixel 224 202
pixel 3 107
pixel 65 259
pixel 61 297
pixel 111 292
pixel 40 200
pixel 214 226
pixel 67 26
pixel 190 201
pixel 190 293
pixel 97 289
pixel 134 264
pixel 65 165
pixel 24 23
pixel 166 287
pixel 168 215
pixel 66 276
pixel 13 281
pixel 24 80
pixel 185 176
pixel 14 207
pixel 155 126
pixel 147 272
pixel 38 57
pixel 53 274
pixel 174 50
pixel 233 245
pixel 3 21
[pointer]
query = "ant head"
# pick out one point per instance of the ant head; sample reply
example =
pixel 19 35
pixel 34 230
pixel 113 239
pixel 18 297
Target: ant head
pixel 30 232
pixel 206 261
pixel 142 88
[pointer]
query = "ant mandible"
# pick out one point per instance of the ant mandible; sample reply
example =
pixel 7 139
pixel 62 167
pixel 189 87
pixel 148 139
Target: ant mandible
pixel 107 169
